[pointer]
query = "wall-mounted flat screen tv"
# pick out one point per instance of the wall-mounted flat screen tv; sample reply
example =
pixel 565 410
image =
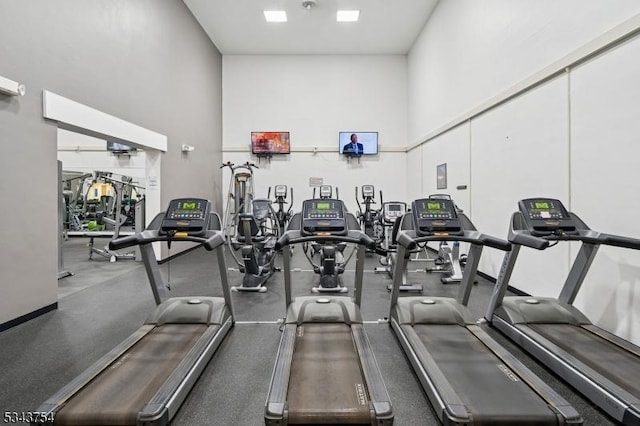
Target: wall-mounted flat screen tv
pixel 358 143
pixel 270 143
pixel 119 147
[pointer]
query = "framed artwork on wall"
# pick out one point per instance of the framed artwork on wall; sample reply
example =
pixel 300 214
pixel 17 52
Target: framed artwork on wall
pixel 441 176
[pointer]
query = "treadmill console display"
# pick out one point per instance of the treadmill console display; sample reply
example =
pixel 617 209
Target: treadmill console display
pixel 323 216
pixel 393 210
pixel 189 215
pixel 545 216
pixel 433 215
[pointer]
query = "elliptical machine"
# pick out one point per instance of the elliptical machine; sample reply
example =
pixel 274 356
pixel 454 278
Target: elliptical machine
pixel 449 261
pixel 390 218
pixel 282 216
pixel 256 237
pixel 332 260
pixel 367 218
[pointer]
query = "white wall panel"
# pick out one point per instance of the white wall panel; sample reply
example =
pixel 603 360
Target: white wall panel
pixel 520 150
pixel 415 174
pixel 472 50
pixel 605 160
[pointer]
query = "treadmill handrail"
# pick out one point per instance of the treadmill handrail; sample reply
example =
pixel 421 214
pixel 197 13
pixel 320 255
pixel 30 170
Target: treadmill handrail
pixel 409 239
pixel 523 239
pixel 296 237
pixel 211 240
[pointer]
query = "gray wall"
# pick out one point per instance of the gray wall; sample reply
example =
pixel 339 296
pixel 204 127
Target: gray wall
pixel 145 61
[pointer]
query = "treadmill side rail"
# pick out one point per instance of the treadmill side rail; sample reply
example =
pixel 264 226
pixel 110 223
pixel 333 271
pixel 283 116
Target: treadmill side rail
pixel 275 410
pixel 449 408
pixel 570 415
pixel 609 396
pixel 380 401
pixel 165 403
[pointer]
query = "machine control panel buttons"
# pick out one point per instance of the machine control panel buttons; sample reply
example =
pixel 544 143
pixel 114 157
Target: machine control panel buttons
pixel 187 209
pixel 546 216
pixel 189 215
pixel 435 215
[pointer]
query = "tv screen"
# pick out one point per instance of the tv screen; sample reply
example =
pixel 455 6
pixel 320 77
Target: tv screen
pixel 119 147
pixel 358 143
pixel 270 143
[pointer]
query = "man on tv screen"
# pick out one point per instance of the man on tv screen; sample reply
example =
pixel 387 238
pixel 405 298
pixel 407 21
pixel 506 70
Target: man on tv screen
pixel 354 147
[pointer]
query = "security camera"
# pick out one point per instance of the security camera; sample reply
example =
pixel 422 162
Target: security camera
pixel 309 4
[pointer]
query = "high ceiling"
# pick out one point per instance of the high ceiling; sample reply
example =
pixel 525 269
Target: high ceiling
pixel 385 27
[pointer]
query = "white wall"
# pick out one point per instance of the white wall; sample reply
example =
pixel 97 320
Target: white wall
pixel 314 98
pixel 471 50
pixel 520 150
pixel 605 180
pixel 571 137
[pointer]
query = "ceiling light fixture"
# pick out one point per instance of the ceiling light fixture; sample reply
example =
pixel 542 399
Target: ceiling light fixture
pixel 275 15
pixel 348 15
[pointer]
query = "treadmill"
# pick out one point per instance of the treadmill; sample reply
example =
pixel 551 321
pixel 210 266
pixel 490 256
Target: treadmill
pixel 604 367
pixel 467 376
pixel 145 379
pixel 325 370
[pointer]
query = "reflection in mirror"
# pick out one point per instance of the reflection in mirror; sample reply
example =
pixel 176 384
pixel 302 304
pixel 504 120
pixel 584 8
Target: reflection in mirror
pixel 102 188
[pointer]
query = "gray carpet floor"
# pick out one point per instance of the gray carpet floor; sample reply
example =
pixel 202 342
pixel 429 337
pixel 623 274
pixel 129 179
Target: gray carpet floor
pixel 104 302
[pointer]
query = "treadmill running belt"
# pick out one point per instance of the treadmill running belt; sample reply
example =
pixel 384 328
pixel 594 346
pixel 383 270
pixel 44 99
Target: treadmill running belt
pixel 326 384
pixel 616 364
pixel 120 391
pixel 492 393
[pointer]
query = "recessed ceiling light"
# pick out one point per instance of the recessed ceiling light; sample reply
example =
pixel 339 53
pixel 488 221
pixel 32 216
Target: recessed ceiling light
pixel 275 15
pixel 348 15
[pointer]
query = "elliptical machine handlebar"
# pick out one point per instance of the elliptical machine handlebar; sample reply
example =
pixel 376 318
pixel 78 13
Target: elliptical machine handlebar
pixel 211 239
pixel 296 237
pixel 233 166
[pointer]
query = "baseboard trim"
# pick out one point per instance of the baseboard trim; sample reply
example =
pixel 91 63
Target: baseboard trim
pixel 27 317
